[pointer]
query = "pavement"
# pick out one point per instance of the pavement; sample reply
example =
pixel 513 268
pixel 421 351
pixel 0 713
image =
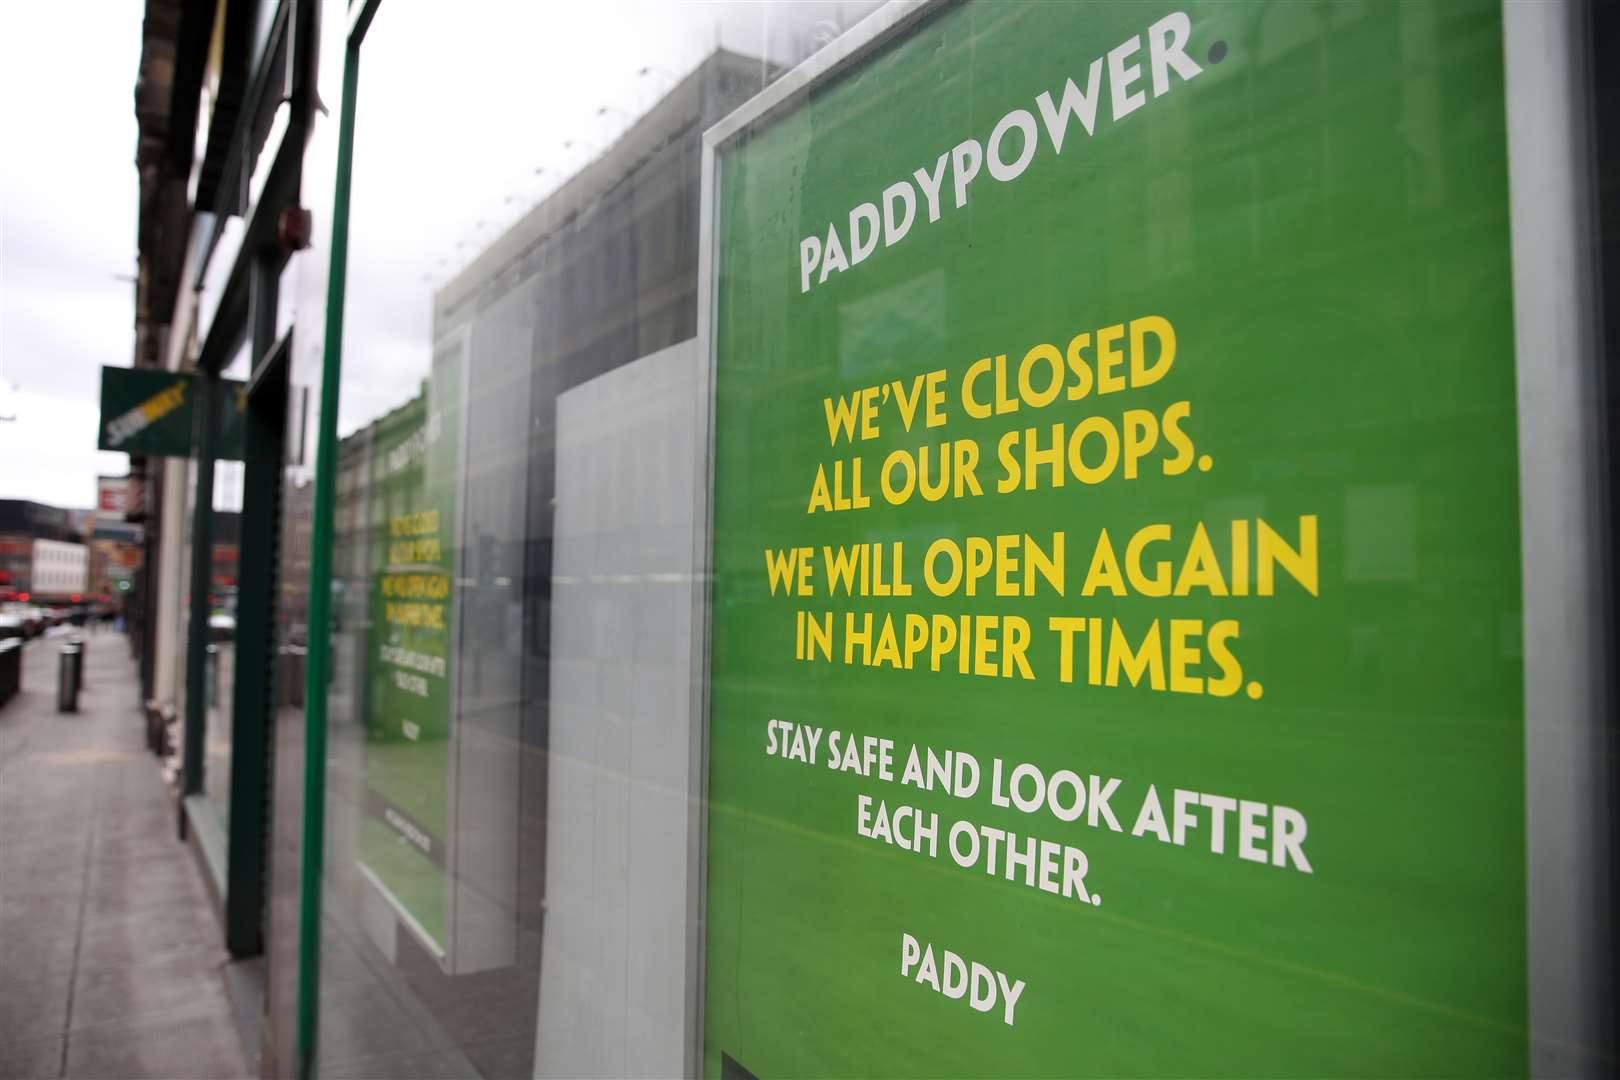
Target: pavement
pixel 111 955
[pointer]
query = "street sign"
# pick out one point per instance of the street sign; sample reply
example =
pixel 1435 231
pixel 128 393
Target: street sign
pixel 112 497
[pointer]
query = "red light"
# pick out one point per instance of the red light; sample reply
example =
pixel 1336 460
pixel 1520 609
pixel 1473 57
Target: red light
pixel 75 598
pixel 23 597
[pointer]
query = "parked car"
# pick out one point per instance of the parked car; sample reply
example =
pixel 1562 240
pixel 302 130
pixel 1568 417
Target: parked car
pixel 32 618
pixel 221 627
pixel 11 626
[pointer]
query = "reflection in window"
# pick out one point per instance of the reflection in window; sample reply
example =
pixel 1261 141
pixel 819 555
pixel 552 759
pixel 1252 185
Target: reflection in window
pixel 511 582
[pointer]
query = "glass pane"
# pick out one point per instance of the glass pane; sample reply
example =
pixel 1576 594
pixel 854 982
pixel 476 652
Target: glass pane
pixel 220 677
pixel 1064 616
pixel 303 296
pixel 513 586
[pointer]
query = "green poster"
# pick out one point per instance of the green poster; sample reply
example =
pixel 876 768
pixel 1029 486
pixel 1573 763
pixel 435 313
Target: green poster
pixel 1116 660
pixel 414 472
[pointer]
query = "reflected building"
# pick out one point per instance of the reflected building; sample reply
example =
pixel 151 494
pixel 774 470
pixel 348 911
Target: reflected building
pixel 600 273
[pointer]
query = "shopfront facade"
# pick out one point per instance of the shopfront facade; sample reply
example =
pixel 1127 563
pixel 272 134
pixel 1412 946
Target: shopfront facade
pixel 910 539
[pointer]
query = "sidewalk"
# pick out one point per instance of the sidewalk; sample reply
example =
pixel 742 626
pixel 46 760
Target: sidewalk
pixel 111 962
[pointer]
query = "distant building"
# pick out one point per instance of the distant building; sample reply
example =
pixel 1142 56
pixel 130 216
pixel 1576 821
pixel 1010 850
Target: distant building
pixel 60 571
pixel 43 557
pixel 115 559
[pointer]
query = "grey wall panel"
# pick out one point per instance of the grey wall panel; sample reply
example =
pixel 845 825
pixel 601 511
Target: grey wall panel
pixel 1569 802
pixel 613 979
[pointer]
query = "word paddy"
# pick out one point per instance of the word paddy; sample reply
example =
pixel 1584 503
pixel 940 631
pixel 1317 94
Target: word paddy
pixel 956 978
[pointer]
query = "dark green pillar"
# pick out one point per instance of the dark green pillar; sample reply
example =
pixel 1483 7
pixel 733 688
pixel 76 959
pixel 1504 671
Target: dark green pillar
pixel 206 448
pixel 263 430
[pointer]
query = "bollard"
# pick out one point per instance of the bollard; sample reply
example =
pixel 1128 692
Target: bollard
pixel 67 679
pixel 291 676
pixel 77 640
pixel 10 668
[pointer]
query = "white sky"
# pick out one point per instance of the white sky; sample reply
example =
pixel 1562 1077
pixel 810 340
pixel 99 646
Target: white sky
pixel 456 115
pixel 68 201
pixel 461 113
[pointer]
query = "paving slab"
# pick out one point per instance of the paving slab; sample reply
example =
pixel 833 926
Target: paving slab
pixel 32 1057
pixel 206 1047
pixel 111 956
pixel 173 986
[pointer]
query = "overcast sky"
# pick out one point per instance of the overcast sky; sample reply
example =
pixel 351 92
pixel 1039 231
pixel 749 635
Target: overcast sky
pixel 67 237
pixel 445 159
pixel 455 118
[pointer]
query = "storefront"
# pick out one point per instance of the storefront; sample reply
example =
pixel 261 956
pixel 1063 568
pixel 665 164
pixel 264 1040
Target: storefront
pixel 931 539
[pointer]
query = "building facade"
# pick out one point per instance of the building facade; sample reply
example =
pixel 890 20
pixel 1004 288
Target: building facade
pixel 934 539
pixel 60 571
pixel 43 556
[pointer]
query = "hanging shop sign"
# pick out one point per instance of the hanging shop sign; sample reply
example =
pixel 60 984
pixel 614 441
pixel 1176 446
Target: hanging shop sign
pixel 150 411
pixel 112 498
pixel 1116 623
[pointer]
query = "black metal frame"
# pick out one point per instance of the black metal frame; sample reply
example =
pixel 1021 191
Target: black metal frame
pixel 1602 24
pixel 247 312
pixel 264 438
